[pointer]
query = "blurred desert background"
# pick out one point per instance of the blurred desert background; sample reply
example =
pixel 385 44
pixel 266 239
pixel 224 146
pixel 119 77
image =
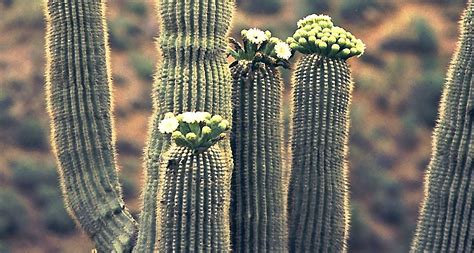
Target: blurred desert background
pixel 397 90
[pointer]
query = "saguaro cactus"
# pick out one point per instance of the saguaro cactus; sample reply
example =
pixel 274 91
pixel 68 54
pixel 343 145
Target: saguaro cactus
pixel 259 188
pixel 318 198
pixel 446 220
pixel 193 76
pixel 195 187
pixel 79 104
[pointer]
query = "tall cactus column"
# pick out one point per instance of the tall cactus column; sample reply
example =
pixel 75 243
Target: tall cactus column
pixel 259 188
pixel 446 221
pixel 195 184
pixel 318 198
pixel 193 76
pixel 79 103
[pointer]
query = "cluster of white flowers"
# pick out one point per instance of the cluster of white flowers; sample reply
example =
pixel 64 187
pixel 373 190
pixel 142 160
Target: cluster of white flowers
pixel 256 36
pixel 283 50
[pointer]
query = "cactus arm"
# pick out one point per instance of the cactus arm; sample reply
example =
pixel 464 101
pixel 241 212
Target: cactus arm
pixel 259 182
pixel 318 192
pixel 318 212
pixel 258 188
pixel 193 76
pixel 446 218
pixel 79 102
pixel 193 193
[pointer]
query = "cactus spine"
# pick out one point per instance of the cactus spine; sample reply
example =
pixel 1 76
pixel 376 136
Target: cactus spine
pixel 318 197
pixel 446 219
pixel 79 98
pixel 194 195
pixel 259 188
pixel 192 77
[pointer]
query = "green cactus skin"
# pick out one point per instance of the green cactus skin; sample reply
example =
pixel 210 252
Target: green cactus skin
pixel 446 221
pixel 193 76
pixel 193 211
pixel 78 88
pixel 259 188
pixel 318 194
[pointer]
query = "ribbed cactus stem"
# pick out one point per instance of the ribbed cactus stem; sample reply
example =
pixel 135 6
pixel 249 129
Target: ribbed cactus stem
pixel 194 201
pixel 446 221
pixel 79 98
pixel 318 198
pixel 193 76
pixel 259 188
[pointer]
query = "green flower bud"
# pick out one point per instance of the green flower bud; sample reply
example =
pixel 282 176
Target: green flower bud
pixel 180 117
pixel 206 130
pixel 268 34
pixel 224 124
pixel 290 40
pixel 177 135
pixel 216 119
pixel 191 136
pixel 169 115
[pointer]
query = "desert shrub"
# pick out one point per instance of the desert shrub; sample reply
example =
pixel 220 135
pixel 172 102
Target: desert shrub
pixel 30 133
pixel 137 7
pixel 13 214
pixel 318 6
pixel 23 14
pixel 143 66
pixel 354 9
pixel 129 188
pixel 46 194
pixel 361 235
pixel 387 204
pixel 28 174
pixel 5 103
pixel 121 33
pixel 260 7
pixel 417 37
pixel 425 97
pixel 56 219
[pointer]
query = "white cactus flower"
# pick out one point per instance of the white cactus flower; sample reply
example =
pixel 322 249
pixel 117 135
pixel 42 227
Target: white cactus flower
pixel 256 36
pixel 168 125
pixel 282 50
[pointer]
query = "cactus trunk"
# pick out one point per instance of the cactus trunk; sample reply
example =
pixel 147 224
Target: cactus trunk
pixel 79 102
pixel 318 198
pixel 259 188
pixel 446 220
pixel 193 76
pixel 193 211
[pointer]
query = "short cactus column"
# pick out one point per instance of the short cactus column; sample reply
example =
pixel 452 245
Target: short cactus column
pixel 194 195
pixel 192 76
pixel 259 187
pixel 318 197
pixel 446 222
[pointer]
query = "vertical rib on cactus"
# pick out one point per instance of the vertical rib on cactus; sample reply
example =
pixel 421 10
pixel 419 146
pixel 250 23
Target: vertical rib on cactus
pixel 318 198
pixel 193 194
pixel 446 221
pixel 79 103
pixel 192 77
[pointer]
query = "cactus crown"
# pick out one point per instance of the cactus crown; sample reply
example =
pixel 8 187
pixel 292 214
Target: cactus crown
pixel 195 130
pixel 317 34
pixel 259 48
